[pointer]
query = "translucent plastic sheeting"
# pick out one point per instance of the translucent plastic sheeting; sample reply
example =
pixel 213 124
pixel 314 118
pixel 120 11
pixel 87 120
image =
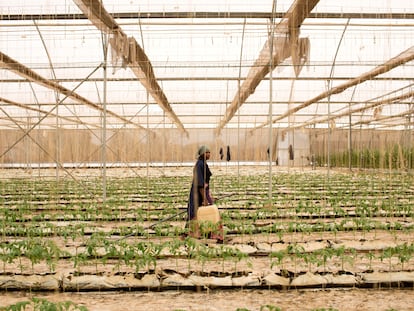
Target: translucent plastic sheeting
pixel 194 49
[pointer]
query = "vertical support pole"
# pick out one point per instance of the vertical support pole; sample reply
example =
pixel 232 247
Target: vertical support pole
pixel 103 139
pixel 270 145
pixel 238 104
pixel 350 140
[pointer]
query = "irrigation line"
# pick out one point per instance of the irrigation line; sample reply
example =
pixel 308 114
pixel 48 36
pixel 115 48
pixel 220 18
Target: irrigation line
pixel 169 218
pixel 153 225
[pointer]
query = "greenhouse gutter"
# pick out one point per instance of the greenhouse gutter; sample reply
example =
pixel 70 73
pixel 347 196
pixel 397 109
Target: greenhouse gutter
pixel 284 43
pixel 21 70
pixel 131 53
pixel 44 112
pixel 208 15
pixel 404 57
pixel 367 106
pixel 98 165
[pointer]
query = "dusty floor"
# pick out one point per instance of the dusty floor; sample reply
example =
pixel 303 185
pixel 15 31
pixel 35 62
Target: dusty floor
pixel 339 299
pixel 248 299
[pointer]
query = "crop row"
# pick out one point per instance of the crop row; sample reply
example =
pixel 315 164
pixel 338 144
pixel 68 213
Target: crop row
pixel 144 255
pixel 39 217
pixel 175 189
pixel 233 227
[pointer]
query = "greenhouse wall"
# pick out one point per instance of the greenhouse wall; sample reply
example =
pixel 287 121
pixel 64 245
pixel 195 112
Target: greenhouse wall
pixel 293 148
pixel 139 145
pixel 369 148
pixel 381 149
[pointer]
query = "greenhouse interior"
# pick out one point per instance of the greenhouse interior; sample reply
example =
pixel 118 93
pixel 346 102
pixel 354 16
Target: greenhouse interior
pixel 300 113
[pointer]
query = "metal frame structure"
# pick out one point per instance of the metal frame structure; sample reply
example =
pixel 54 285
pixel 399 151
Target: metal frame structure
pixel 169 63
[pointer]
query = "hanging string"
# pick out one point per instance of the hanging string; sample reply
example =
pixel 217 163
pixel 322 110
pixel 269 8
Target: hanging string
pixel 105 45
pixel 238 106
pixel 270 188
pixel 329 95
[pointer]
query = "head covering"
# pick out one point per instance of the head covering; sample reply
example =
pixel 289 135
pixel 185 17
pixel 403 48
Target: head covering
pixel 203 149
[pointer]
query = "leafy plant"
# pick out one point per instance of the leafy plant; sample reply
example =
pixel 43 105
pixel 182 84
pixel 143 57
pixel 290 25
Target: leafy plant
pixel 40 304
pixel 270 308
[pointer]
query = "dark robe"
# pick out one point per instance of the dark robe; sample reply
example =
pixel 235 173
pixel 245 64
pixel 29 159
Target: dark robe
pixel 201 176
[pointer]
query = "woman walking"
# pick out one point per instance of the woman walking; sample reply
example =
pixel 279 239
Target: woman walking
pixel 200 193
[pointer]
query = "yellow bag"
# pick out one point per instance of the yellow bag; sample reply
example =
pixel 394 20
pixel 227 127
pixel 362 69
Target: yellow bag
pixel 208 213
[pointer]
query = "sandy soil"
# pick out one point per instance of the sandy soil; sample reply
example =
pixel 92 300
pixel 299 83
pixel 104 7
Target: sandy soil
pixel 247 299
pixel 339 299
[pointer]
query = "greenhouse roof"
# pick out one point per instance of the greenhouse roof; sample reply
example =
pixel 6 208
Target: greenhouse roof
pixel 206 64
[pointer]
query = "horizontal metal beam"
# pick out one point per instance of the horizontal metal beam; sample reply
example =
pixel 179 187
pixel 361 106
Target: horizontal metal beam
pixel 8 63
pixel 221 78
pixel 131 53
pixel 402 58
pixel 34 108
pixel 284 42
pixel 209 103
pixel 209 15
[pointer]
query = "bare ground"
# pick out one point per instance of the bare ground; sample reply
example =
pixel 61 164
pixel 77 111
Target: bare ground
pixel 340 299
pixel 378 299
